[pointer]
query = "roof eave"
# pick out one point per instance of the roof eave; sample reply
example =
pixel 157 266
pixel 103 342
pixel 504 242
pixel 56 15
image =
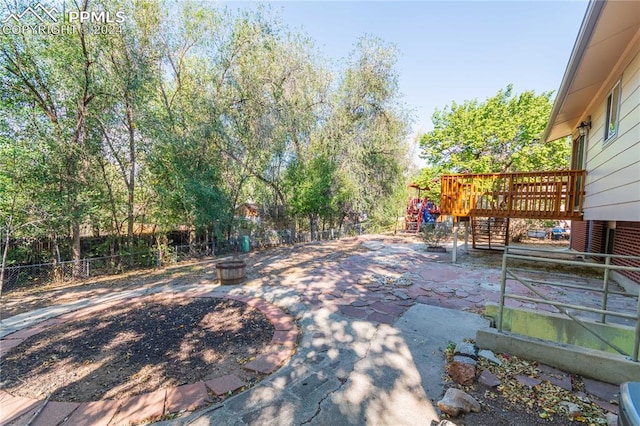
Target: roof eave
pixel 589 22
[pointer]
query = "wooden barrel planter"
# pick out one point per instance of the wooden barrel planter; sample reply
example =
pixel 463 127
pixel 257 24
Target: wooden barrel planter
pixel 231 271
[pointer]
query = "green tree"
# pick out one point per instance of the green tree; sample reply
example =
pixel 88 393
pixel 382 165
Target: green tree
pixel 501 134
pixel 428 177
pixel 178 121
pixel 367 131
pixel 128 60
pixel 312 187
pixel 184 165
pixel 18 170
pixel 268 107
pixel 57 76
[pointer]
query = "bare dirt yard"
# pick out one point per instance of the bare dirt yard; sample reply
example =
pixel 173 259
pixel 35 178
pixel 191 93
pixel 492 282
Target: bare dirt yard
pixel 137 347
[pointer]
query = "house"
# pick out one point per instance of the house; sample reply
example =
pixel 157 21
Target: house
pixel 598 105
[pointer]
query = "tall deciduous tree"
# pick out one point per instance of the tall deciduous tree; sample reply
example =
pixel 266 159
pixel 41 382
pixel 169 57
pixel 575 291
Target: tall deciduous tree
pixel 368 128
pixel 57 75
pixel 179 121
pixel 312 186
pixel 129 61
pixel 501 134
pixel 184 163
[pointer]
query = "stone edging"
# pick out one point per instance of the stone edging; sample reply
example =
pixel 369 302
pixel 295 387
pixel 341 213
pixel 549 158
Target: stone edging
pixel 153 404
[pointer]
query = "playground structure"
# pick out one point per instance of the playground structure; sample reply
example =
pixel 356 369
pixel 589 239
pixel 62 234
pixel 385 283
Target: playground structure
pixel 420 210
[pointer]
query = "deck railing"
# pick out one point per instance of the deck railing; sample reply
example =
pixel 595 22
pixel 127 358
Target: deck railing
pixel 535 195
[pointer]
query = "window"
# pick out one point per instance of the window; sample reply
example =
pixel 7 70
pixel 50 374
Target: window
pixel 613 111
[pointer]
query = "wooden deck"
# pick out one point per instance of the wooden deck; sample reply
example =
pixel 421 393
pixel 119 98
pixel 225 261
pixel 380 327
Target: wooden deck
pixel 538 195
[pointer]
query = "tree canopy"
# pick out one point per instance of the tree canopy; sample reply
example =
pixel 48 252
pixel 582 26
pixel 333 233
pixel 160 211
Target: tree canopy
pixel 501 134
pixel 175 118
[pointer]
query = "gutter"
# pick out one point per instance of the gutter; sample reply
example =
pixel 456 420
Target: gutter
pixel 591 17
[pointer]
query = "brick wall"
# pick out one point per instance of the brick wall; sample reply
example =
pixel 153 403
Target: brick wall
pixel 598 236
pixel 627 242
pixel 579 231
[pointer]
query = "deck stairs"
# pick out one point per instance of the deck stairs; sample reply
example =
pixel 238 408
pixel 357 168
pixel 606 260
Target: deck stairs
pixel 489 232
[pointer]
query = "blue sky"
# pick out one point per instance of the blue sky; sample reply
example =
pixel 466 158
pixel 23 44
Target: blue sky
pixel 449 50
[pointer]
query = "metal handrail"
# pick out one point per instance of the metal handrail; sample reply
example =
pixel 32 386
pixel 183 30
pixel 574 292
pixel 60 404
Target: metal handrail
pixel 604 311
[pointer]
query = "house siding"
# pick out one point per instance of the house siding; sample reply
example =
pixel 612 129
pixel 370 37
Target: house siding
pixel 613 168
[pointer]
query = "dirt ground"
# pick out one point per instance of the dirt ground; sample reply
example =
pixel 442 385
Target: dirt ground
pixel 514 403
pixel 136 348
pixel 128 357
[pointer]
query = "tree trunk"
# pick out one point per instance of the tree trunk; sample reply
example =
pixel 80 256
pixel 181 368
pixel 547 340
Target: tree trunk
pixel 56 249
pixel 56 258
pixel 192 241
pixel 5 250
pixel 294 230
pixel 75 247
pixel 131 181
pixel 312 226
pixel 9 231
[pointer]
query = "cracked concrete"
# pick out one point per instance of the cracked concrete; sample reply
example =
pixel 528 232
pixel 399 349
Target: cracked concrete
pixel 345 371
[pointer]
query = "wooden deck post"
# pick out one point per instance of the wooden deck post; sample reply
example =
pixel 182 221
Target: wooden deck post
pixel 454 253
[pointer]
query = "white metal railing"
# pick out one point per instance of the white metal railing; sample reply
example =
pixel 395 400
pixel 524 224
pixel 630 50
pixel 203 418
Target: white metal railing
pixel 542 256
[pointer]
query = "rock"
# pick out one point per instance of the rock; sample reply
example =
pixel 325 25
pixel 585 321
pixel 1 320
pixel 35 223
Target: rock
pixel 612 419
pixel 442 423
pixel 544 368
pixel 464 359
pixel 555 377
pixel 573 409
pixel 466 349
pixel 488 378
pixel 563 382
pixel 367 280
pixel 462 373
pixel 465 353
pixel 456 402
pixel 606 405
pixel 527 381
pixel 604 391
pixel 487 354
pixel 400 295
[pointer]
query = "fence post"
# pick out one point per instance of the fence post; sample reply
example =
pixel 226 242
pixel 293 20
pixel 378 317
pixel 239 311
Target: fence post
pixel 503 287
pixel 636 345
pixel 605 287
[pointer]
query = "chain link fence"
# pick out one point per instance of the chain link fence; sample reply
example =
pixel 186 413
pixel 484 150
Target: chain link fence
pixel 25 276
